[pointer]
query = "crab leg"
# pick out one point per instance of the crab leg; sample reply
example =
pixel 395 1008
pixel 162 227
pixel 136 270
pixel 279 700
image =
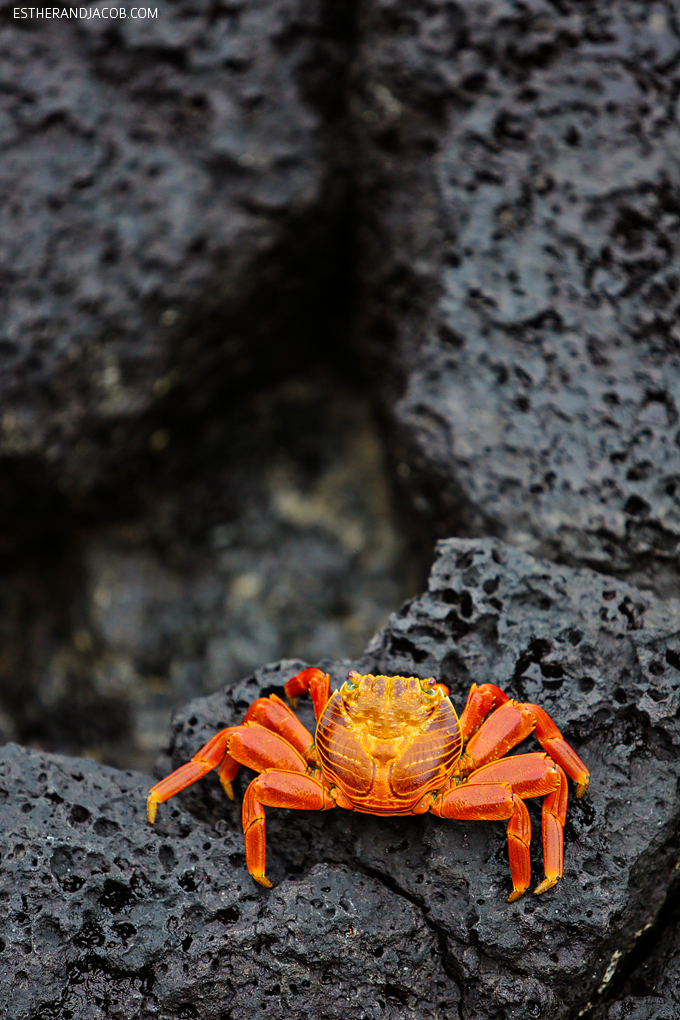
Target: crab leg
pixel 271 713
pixel 553 817
pixel 534 775
pixel 552 741
pixel 481 700
pixel 314 682
pixel 276 788
pixel 508 726
pixel 275 715
pixel 503 730
pixel 258 748
pixel 487 802
pixel 249 744
pixel 211 755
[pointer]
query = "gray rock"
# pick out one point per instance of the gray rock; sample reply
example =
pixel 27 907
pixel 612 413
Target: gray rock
pixel 105 917
pixel 160 172
pixel 603 659
pixel 518 181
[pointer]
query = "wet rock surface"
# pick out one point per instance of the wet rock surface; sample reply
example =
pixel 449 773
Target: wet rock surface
pixel 519 196
pixel 603 660
pixel 161 171
pixel 106 917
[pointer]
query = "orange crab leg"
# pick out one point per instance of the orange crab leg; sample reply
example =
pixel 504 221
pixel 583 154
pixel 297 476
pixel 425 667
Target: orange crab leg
pixel 275 715
pixel 250 744
pixel 276 789
pixel 258 748
pixel 486 802
pixel 481 700
pixel 508 726
pixel 535 775
pixel 504 729
pixel 554 814
pixel 552 741
pixel 209 757
pixel 314 682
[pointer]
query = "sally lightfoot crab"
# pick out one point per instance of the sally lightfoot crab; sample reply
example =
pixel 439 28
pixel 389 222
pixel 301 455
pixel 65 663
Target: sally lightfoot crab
pixel 394 746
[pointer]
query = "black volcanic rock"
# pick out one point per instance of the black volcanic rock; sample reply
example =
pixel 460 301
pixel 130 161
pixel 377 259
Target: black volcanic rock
pixel 603 659
pixel 105 917
pixel 160 173
pixel 519 192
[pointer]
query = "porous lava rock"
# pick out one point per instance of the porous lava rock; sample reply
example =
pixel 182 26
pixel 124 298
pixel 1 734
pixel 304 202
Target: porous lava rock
pixel 649 987
pixel 158 171
pixel 518 179
pixel 105 917
pixel 604 660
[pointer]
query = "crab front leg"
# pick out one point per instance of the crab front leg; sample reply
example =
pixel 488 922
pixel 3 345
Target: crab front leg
pixel 211 755
pixel 275 788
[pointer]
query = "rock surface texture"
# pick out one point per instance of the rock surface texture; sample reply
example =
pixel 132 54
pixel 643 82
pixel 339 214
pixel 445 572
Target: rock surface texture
pixel 392 916
pixel 520 202
pixel 185 199
pixel 160 172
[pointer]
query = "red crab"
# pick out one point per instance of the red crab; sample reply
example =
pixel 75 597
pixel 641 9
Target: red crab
pixel 394 746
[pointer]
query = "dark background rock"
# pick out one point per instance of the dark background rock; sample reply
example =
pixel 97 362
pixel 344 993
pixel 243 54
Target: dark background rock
pixel 191 478
pixel 519 197
pixel 603 659
pixel 174 187
pixel 282 540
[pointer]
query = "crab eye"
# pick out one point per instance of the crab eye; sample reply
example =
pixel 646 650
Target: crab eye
pixel 352 677
pixel 429 686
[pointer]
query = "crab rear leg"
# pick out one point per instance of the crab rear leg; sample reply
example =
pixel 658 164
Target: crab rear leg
pixel 211 755
pixel 275 788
